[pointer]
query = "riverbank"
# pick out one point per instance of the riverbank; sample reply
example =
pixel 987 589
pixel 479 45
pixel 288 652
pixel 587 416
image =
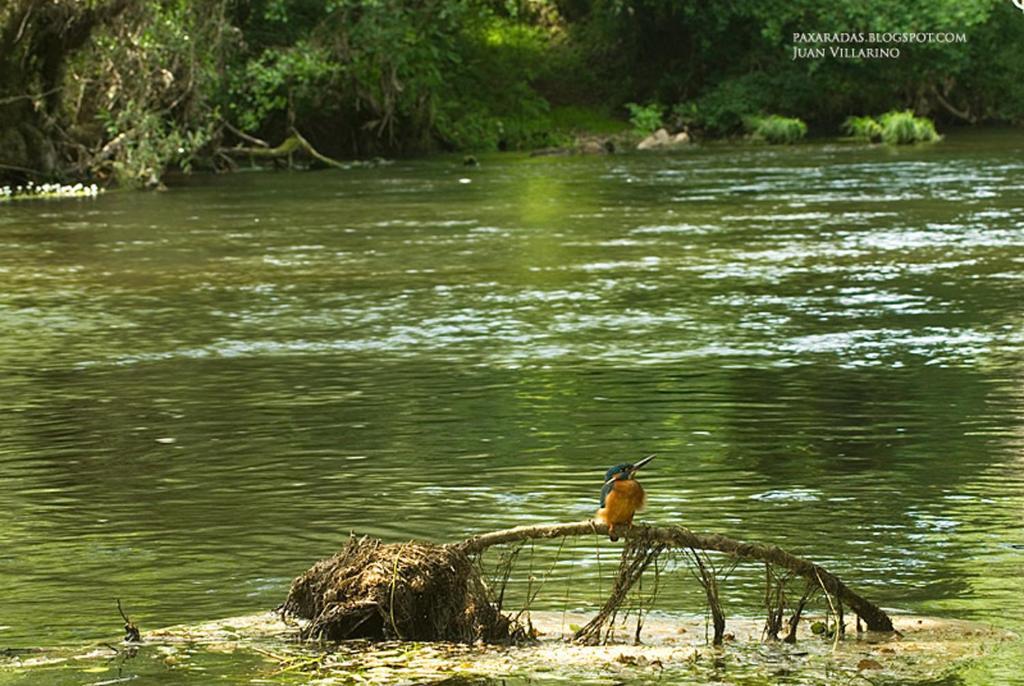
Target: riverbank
pixel 607 136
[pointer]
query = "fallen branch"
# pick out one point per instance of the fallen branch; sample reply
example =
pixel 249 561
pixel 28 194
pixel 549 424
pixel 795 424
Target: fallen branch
pixel 681 538
pixel 287 147
pixel 296 142
pixel 315 154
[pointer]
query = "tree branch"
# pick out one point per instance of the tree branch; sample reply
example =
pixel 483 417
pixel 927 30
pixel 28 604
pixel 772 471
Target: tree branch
pixel 28 96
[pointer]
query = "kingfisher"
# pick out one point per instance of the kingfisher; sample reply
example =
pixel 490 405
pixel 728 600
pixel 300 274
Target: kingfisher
pixel 621 496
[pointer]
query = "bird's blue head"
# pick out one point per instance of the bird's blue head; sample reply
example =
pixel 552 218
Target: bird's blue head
pixel 621 471
pixel 625 470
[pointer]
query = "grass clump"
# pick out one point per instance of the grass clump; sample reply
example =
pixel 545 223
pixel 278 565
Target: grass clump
pixel 863 128
pixel 776 129
pixel 902 128
pixel 897 127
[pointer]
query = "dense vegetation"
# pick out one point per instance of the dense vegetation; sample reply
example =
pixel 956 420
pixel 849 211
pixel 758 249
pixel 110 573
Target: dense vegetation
pixel 125 89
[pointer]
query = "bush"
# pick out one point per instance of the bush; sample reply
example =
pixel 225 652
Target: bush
pixel 646 119
pixel 901 128
pixel 865 128
pixel 776 129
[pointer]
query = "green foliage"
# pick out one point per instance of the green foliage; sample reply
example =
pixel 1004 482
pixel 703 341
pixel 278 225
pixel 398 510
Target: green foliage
pixel 777 130
pixel 726 109
pixel 278 79
pixel 901 128
pixel 646 119
pixel 395 74
pixel 144 144
pixel 488 101
pixel 990 83
pixel 865 128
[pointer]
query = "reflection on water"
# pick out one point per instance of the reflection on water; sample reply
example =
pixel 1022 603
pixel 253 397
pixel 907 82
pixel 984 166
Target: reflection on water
pixel 207 389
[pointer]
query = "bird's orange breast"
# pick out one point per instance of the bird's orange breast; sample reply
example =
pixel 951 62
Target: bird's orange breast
pixel 622 502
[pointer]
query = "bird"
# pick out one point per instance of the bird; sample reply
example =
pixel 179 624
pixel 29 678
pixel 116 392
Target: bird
pixel 621 496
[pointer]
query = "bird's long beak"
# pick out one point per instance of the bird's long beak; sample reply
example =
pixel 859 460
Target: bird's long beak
pixel 642 462
pixel 635 467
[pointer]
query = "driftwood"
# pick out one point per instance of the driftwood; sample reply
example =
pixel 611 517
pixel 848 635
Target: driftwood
pixel 424 591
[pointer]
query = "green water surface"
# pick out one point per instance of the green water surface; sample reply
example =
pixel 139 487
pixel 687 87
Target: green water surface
pixel 203 391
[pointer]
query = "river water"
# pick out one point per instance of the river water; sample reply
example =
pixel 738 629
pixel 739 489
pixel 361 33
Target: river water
pixel 205 390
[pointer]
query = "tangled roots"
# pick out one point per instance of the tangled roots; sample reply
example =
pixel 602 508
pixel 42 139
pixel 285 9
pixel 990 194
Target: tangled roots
pixel 409 591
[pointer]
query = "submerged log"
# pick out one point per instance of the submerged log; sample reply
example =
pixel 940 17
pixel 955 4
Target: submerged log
pixel 428 592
